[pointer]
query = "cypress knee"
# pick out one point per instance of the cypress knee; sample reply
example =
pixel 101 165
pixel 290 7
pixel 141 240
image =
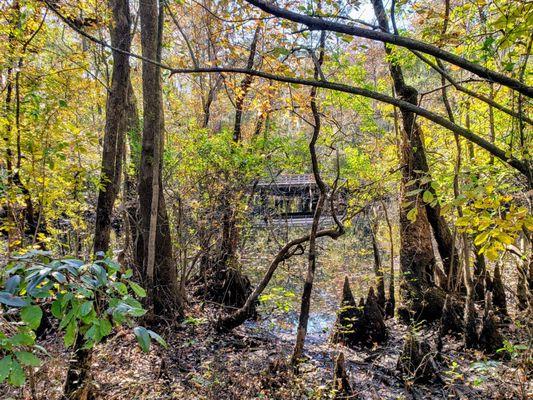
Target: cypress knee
pixel 470 326
pixel 490 339
pixel 348 318
pixel 373 324
pixel 415 362
pixel 341 384
pixel 451 321
pixel 498 293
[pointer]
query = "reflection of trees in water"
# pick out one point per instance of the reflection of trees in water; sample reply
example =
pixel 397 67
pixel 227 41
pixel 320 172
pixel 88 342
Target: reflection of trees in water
pixel 350 254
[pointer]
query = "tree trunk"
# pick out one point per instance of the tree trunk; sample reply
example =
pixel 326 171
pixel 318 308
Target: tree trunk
pixel 441 231
pixel 422 299
pixel 380 283
pixel 111 171
pixel 391 301
pixel 76 387
pixel 301 331
pixel 131 176
pixel 223 279
pixel 116 124
pixel 155 255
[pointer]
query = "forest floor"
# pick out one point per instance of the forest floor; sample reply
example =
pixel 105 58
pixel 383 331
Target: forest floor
pixel 249 364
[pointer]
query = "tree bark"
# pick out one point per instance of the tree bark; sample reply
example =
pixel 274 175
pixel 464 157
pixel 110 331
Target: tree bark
pixel 441 231
pixel 111 170
pixel 301 331
pixel 116 124
pixel 391 301
pixel 155 255
pixel 417 262
pixel 380 282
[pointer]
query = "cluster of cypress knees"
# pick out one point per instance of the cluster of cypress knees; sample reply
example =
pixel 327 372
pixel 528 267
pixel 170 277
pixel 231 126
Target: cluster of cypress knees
pixel 363 324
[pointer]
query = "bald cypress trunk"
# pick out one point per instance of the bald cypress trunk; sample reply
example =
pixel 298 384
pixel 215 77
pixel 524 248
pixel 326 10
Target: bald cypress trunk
pixel 422 299
pixel 413 144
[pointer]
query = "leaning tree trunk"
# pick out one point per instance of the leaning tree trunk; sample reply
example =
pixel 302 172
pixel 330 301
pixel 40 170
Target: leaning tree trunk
pixel 155 255
pixel 308 285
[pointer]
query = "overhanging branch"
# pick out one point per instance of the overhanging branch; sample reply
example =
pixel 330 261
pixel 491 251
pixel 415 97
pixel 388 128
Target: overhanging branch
pixel 519 165
pixel 315 23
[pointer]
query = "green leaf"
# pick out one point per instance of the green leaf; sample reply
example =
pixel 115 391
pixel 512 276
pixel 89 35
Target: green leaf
pixel 121 288
pixel 59 277
pixel 139 291
pixel 157 338
pixel 32 316
pixel 413 192
pixel 12 284
pixel 143 338
pixel 105 327
pixel 136 312
pixel 100 273
pixel 56 308
pixel 427 196
pixel 70 315
pixel 481 238
pixel 412 214
pixel 27 358
pixel 132 302
pixel 112 265
pixel 10 300
pixel 5 367
pixel 504 238
pixel 70 334
pixel 86 308
pixel 17 376
pixel 91 332
pixel 22 339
